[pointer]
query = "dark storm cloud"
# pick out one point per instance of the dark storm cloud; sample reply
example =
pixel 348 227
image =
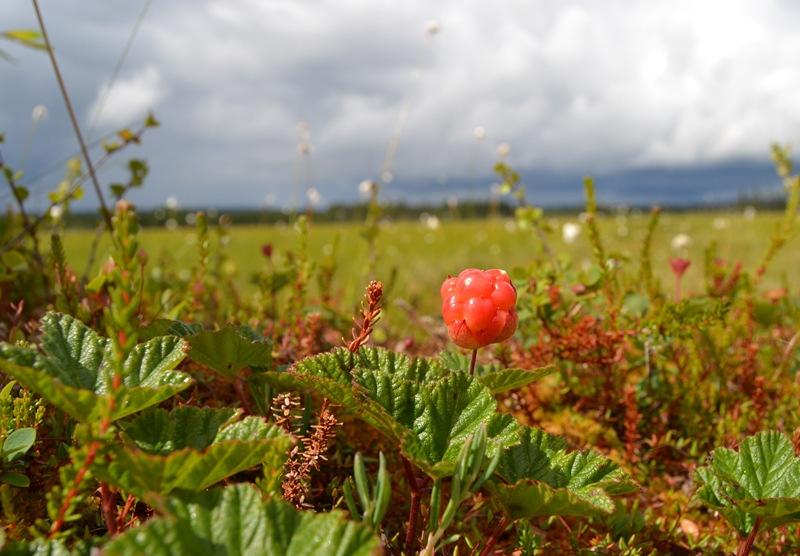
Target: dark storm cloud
pixel 574 87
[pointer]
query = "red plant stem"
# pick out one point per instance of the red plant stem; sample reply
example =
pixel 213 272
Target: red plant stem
pixel 108 506
pixel 747 543
pixel 413 512
pixel 678 289
pixel 126 509
pixel 73 491
pixel 91 454
pixel 495 536
pixel 238 385
pixel 472 363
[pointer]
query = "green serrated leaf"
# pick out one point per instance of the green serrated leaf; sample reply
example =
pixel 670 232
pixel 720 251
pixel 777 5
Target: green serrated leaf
pixel 189 448
pixel 761 480
pixel 47 547
pixel 74 374
pixel 236 521
pixel 428 409
pixel 18 442
pixel 511 379
pixel 494 377
pixel 169 327
pixel 543 477
pixel 229 350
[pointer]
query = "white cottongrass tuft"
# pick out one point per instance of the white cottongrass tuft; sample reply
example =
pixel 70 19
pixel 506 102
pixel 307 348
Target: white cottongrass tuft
pixel 432 27
pixel 39 113
pixel 570 231
pixel 171 203
pixel 479 132
pixel 749 212
pixel 430 221
pixel 503 149
pixel 56 212
pixel 720 223
pixel 313 196
pixel 680 241
pixel 365 187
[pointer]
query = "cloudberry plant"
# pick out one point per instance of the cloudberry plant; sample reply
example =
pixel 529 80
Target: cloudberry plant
pixel 478 307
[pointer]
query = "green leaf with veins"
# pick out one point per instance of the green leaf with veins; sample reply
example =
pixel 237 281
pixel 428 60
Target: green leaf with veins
pixel 761 480
pixel 236 521
pixel 229 350
pixel 188 448
pixel 496 378
pixel 75 371
pixel 428 409
pixel 18 442
pixel 543 477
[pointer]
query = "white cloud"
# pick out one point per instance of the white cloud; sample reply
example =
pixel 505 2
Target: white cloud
pixel 575 85
pixel 129 99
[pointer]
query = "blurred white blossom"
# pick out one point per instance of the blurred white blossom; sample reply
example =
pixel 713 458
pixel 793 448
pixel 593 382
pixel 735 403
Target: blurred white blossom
pixel 749 212
pixel 720 223
pixel 366 186
pixel 430 221
pixel 503 149
pixel 386 176
pixel 39 113
pixel 570 231
pixel 680 241
pixel 479 133
pixel 313 196
pixel 432 27
pixel 56 212
pixel 171 203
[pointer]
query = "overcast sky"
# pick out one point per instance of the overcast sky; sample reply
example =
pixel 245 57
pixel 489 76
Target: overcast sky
pixel 573 87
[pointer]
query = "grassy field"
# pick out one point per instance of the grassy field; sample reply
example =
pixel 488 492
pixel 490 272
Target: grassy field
pixel 422 256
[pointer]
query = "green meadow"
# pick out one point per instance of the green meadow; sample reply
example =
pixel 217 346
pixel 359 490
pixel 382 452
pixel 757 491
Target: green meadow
pixel 419 256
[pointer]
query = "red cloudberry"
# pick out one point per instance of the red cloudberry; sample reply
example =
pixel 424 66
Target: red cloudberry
pixel 478 307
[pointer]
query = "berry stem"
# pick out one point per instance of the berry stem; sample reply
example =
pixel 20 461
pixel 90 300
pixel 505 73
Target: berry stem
pixel 472 363
pixel 746 544
pixel 413 512
pixel 495 536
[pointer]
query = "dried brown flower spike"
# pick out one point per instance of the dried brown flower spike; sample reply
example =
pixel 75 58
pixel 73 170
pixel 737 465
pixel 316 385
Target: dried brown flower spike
pixel 370 314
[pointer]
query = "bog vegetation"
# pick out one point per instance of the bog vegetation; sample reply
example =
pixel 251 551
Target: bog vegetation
pixel 157 407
